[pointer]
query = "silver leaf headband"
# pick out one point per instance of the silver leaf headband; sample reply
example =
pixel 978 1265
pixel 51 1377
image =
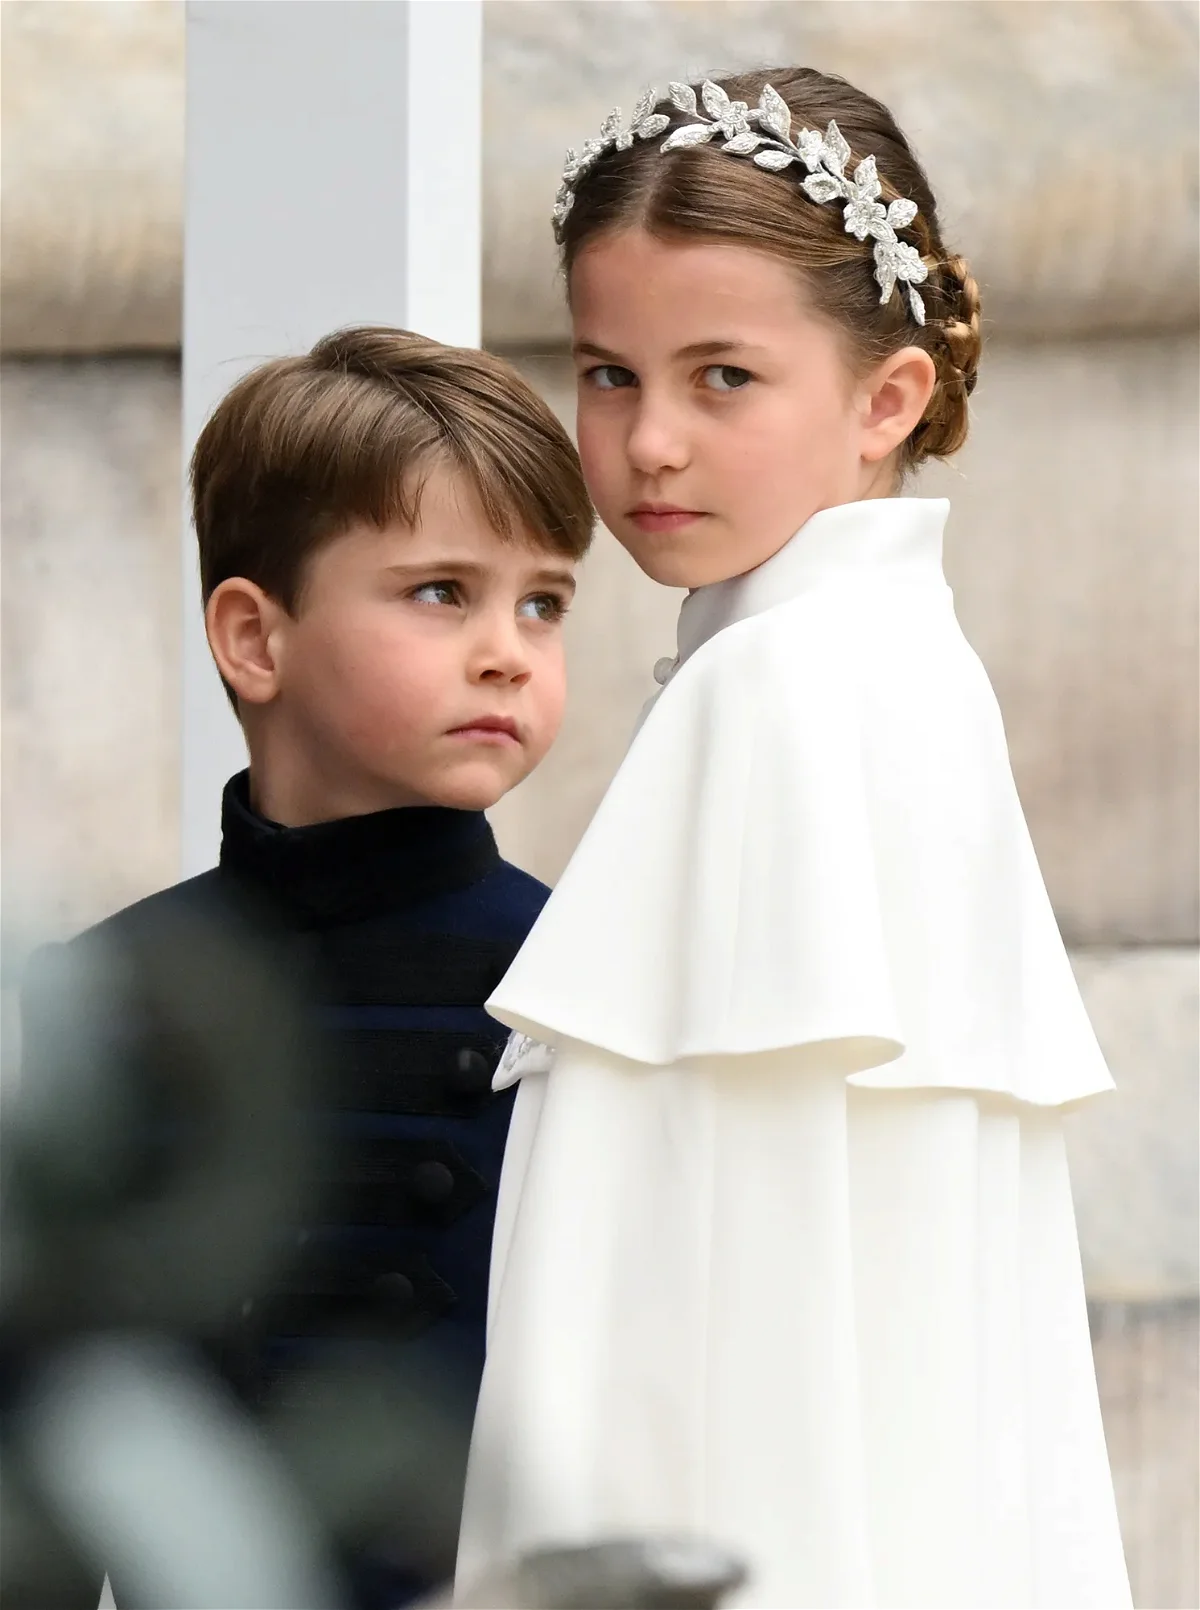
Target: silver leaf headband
pixel 766 131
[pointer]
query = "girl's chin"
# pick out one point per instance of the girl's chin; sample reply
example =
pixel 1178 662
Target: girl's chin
pixel 682 569
pixel 708 558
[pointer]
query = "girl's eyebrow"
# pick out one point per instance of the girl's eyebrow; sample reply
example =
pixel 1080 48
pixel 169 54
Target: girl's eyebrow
pixel 588 349
pixel 709 349
pixel 698 349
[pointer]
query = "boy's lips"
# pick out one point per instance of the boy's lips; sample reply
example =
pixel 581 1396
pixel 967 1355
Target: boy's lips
pixel 663 516
pixel 489 729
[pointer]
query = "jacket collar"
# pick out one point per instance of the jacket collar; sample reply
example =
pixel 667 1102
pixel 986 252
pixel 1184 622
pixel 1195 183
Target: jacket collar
pixel 358 866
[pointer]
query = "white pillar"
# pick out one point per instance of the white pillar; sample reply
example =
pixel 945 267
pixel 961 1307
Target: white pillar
pixel 333 177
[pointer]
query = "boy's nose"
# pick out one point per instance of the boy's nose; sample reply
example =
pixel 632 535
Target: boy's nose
pixel 499 653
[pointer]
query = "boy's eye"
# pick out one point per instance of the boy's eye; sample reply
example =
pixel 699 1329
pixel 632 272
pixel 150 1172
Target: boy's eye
pixel 611 377
pixel 436 592
pixel 726 377
pixel 543 607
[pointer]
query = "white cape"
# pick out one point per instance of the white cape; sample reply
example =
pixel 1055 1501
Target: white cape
pixel 815 841
pixel 785 1251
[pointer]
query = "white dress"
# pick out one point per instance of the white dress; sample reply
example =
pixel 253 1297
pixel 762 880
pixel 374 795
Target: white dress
pixel 785 1252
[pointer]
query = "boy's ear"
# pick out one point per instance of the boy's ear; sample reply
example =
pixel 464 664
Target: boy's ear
pixel 895 399
pixel 241 622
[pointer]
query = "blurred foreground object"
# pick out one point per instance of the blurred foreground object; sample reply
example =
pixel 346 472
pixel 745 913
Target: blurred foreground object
pixel 151 1156
pixel 150 1473
pixel 668 1573
pixel 184 1357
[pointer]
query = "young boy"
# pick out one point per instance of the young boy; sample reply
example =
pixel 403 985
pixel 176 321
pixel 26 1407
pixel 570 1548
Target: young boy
pixel 387 530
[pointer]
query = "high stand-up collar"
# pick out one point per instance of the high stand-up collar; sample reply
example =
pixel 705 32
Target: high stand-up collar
pixel 358 866
pixel 876 535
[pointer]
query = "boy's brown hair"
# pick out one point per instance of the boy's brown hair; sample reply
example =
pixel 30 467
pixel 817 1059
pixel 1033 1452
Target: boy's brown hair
pixel 303 447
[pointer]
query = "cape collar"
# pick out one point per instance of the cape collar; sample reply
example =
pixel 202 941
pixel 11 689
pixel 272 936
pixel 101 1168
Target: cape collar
pixel 875 535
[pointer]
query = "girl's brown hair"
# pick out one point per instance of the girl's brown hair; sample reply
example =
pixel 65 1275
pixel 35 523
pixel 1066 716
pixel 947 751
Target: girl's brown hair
pixel 701 191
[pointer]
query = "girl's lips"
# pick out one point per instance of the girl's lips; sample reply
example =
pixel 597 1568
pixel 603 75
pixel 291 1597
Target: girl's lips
pixel 664 519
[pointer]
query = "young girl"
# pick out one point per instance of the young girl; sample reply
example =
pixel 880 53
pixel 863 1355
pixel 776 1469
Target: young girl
pixel 785 1251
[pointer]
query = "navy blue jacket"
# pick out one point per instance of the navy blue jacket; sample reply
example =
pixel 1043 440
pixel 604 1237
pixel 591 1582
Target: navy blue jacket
pixel 401 923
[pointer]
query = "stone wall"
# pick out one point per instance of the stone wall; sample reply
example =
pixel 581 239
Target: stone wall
pixel 92 110
pixel 91 509
pixel 1061 137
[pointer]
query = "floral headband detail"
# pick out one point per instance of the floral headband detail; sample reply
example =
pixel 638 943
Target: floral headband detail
pixel 766 131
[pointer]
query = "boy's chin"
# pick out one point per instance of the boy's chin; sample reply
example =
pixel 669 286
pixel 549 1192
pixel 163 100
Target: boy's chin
pixel 476 788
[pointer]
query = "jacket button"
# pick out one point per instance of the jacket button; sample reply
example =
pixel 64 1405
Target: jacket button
pixel 395 1291
pixel 432 1182
pixel 472 1072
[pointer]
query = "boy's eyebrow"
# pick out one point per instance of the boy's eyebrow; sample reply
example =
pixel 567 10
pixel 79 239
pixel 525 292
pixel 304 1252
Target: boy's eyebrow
pixel 557 578
pixel 553 576
pixel 698 349
pixel 545 575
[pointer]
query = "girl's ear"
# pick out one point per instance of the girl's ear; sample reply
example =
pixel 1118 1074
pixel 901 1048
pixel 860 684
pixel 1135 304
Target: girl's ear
pixel 895 397
pixel 241 622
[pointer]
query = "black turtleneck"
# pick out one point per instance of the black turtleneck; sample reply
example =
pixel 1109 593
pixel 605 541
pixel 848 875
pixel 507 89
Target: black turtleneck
pixel 360 866
pixel 396 926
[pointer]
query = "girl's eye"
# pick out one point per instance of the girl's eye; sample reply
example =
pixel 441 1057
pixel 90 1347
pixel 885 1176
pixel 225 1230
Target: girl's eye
pixel 547 607
pixel 611 377
pixel 436 592
pixel 727 377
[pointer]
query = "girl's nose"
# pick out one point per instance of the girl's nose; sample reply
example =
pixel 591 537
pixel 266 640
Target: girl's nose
pixel 657 439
